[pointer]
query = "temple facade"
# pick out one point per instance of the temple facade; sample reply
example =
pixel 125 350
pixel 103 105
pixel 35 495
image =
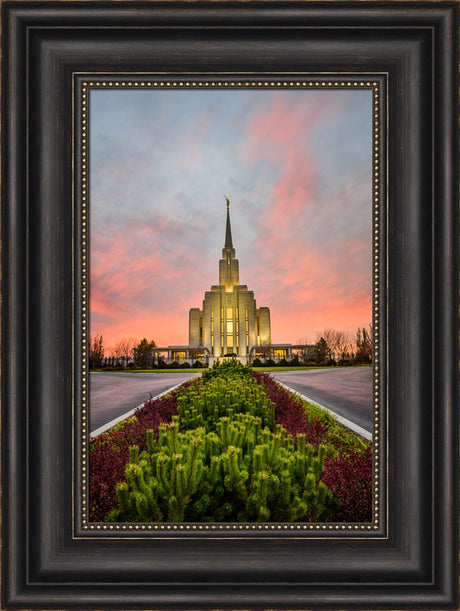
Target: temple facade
pixel 229 322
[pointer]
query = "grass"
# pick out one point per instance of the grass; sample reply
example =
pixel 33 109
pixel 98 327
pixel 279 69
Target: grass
pixel 293 368
pixel 303 368
pixel 186 370
pixel 201 369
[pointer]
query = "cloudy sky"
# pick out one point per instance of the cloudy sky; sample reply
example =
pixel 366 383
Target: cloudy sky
pixel 296 166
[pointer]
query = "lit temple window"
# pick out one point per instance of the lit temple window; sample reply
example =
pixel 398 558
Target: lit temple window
pixel 222 328
pixel 247 326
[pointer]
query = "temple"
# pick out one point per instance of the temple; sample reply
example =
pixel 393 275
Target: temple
pixel 229 322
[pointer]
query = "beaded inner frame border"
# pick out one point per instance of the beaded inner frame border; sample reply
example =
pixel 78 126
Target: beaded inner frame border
pixel 82 87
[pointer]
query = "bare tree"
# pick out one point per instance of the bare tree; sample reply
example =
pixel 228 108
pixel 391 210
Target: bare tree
pixel 123 349
pixel 343 345
pixel 339 343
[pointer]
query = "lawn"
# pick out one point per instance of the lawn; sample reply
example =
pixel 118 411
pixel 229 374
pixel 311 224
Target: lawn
pixel 200 370
pixel 127 370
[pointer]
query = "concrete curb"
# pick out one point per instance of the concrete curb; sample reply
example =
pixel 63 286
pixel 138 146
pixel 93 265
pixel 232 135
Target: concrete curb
pixel 112 423
pixel 348 423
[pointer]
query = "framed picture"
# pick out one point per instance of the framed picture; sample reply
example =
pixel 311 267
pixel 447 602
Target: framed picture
pixel 124 124
pixel 299 158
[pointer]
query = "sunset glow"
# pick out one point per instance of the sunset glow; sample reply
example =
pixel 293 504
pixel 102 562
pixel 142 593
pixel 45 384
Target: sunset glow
pixel 296 166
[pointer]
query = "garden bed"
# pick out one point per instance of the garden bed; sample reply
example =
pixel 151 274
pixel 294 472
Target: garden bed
pixel 231 446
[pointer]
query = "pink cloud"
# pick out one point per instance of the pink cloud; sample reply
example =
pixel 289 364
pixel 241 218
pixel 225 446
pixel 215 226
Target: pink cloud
pixel 315 270
pixel 273 136
pixel 139 284
pixel 312 267
pixel 164 328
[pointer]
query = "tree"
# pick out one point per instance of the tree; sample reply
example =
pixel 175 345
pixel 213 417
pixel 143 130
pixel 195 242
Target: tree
pixel 96 351
pixel 343 345
pixel 321 350
pixel 330 335
pixel 144 353
pixel 123 349
pixel 364 344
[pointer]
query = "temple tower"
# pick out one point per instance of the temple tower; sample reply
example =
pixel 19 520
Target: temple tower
pixel 229 322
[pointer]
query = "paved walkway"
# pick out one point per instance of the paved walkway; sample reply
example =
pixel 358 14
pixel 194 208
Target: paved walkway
pixel 345 391
pixel 114 394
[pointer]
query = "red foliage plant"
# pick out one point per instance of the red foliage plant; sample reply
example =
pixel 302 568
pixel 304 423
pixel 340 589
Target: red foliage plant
pixel 110 452
pixel 348 476
pixel 350 479
pixel 290 413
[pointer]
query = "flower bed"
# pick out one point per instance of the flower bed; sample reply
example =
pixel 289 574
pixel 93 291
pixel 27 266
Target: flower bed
pixel 230 446
pixel 109 452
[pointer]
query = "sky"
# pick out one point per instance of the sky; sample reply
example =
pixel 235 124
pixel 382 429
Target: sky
pixel 297 168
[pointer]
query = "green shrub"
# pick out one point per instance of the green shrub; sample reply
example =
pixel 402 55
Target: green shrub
pixel 257 363
pixel 197 365
pixel 185 365
pixel 242 472
pixel 208 400
pixel 227 369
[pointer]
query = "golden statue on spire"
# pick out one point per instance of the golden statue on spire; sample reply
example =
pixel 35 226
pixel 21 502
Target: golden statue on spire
pixel 228 202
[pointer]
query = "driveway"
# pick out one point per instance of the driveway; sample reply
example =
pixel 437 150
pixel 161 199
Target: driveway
pixel 346 391
pixel 113 394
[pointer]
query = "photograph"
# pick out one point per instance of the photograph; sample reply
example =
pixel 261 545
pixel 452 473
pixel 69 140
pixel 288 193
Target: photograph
pixel 230 303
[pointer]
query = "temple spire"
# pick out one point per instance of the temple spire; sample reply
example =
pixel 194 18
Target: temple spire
pixel 228 266
pixel 228 231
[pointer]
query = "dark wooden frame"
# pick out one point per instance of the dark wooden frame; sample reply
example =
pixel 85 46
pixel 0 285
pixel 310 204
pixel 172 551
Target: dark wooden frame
pixel 46 563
